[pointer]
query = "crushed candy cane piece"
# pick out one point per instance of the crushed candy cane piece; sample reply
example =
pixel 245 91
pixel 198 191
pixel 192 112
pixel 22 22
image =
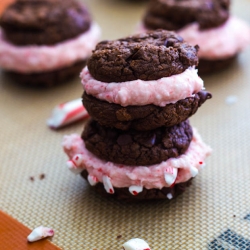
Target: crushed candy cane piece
pixel 134 190
pixel 40 233
pixel 169 196
pixel 73 168
pixel 194 171
pixel 92 180
pixel 67 113
pixel 231 99
pixel 136 244
pixel 77 159
pixel 170 175
pixel 107 184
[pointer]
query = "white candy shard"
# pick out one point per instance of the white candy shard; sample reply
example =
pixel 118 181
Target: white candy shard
pixel 40 233
pixel 194 171
pixel 136 244
pixel 231 99
pixel 73 168
pixel 202 164
pixel 107 184
pixel 77 159
pixel 134 190
pixel 92 180
pixel 67 113
pixel 169 196
pixel 170 175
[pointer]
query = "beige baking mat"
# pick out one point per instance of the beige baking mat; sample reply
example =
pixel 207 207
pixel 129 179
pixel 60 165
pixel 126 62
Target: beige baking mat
pixel 214 213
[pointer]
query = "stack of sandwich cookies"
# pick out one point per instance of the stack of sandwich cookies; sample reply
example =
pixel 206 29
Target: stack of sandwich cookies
pixel 43 43
pixel 207 23
pixel 140 91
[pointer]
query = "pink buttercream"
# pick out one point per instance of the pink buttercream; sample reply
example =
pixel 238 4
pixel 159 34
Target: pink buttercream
pixel 149 177
pixel 221 42
pixel 30 59
pixel 138 92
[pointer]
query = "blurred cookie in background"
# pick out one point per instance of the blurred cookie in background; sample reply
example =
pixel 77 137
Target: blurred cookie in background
pixel 207 23
pixel 43 43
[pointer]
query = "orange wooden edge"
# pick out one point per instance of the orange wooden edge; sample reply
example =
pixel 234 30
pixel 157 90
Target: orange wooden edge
pixel 13 236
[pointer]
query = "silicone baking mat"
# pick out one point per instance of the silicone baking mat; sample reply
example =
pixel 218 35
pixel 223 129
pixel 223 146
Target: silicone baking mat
pixel 214 213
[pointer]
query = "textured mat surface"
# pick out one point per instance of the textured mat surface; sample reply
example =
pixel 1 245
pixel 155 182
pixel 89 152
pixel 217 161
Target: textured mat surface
pixel 214 213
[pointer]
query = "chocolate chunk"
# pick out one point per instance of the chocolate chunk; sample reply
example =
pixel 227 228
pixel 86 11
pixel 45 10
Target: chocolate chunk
pixel 124 139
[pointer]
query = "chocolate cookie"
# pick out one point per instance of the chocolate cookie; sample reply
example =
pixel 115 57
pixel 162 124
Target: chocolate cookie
pixel 47 79
pixel 44 22
pixel 137 148
pixel 146 194
pixel 175 14
pixel 208 66
pixel 147 56
pixel 143 118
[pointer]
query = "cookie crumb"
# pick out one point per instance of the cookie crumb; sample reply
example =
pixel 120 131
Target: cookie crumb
pixel 119 236
pixel 41 176
pixel 32 178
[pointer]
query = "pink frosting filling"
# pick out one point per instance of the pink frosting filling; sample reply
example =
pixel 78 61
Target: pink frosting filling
pixel 221 42
pixel 149 177
pixel 29 59
pixel 138 92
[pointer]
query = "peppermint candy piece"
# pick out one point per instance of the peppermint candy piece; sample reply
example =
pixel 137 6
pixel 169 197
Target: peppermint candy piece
pixel 136 244
pixel 169 196
pixel 92 180
pixel 170 175
pixel 40 233
pixel 73 168
pixel 194 171
pixel 108 185
pixel 134 190
pixel 67 113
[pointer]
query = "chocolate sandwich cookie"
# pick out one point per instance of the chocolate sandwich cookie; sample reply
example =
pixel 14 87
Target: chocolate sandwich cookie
pixel 175 14
pixel 140 91
pixel 47 79
pixel 47 22
pixel 206 66
pixel 137 148
pixel 136 179
pixel 44 43
pixel 146 194
pixel 148 56
pixel 145 117
pixel 206 23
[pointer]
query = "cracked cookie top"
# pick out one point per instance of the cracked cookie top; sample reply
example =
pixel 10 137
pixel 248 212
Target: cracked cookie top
pixel 147 56
pixel 44 22
pixel 175 14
